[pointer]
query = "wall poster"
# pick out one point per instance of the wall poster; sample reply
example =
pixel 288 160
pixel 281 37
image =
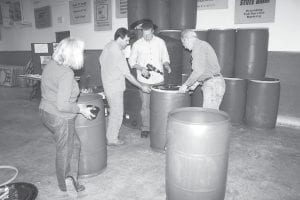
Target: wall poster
pixel 80 11
pixel 254 11
pixel 42 17
pixel 103 16
pixel 212 4
pixel 121 8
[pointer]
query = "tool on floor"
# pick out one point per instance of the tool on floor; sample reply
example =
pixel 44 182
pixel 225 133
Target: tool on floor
pixel 16 191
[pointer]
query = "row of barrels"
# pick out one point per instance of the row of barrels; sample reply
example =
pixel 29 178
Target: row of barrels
pixel 253 102
pixel 242 53
pixel 166 14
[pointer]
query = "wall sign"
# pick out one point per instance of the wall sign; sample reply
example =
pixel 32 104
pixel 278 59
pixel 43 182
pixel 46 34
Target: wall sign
pixel 102 16
pixel 254 11
pixel 42 17
pixel 121 8
pixel 80 11
pixel 212 4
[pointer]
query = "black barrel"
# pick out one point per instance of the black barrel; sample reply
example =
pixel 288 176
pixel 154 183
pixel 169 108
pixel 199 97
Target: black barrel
pixel 183 14
pixel 186 55
pixel 234 99
pixel 136 10
pixel 223 42
pixel 197 154
pixel 93 155
pixel 262 103
pixel 251 53
pixel 176 34
pixel 132 108
pixel 197 97
pixel 159 13
pixel 175 52
pixel 163 99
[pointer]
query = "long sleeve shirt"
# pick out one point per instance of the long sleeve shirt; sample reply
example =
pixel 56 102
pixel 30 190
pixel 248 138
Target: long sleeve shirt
pixel 114 68
pixel 152 52
pixel 59 91
pixel 204 62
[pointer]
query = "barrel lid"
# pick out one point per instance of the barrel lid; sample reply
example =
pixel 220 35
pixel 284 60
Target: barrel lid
pixel 189 119
pixel 166 88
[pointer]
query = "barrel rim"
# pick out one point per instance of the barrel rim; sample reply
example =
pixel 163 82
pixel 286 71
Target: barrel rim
pixel 253 28
pixel 226 120
pixel 169 30
pixel 166 91
pixel 222 29
pixel 234 78
pixel 268 80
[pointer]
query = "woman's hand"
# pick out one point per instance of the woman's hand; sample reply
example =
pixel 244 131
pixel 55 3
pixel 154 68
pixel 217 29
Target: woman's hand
pixel 86 111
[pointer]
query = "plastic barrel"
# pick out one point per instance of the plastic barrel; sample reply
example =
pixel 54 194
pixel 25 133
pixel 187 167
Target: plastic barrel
pixel 183 14
pixel 93 155
pixel 187 57
pixel 251 53
pixel 223 42
pixel 132 108
pixel 136 10
pixel 159 13
pixel 262 103
pixel 175 52
pixel 234 99
pixel 197 97
pixel 176 34
pixel 163 99
pixel 197 154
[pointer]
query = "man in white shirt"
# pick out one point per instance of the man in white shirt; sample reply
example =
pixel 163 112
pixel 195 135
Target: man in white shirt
pixel 149 55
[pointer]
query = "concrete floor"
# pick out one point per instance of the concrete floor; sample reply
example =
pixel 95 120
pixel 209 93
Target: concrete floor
pixel 263 165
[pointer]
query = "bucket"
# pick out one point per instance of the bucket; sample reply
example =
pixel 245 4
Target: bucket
pixel 223 42
pixel 92 134
pixel 262 103
pixel 234 99
pixel 163 99
pixel 251 53
pixel 197 154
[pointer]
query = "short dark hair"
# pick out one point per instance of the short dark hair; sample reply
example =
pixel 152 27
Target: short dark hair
pixel 121 33
pixel 148 24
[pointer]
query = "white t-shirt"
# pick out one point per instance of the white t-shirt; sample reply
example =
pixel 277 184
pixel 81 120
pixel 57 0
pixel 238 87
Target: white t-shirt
pixel 152 52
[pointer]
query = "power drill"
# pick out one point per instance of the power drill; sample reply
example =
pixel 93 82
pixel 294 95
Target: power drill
pixel 152 68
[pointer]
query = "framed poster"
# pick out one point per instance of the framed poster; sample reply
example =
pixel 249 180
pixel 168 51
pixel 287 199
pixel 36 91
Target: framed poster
pixel 40 48
pixel 212 4
pixel 80 11
pixel 121 8
pixel 102 16
pixel 15 10
pixel 254 11
pixel 42 17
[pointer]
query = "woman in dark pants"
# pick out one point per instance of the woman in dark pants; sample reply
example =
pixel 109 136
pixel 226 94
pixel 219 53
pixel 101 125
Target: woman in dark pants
pixel 58 108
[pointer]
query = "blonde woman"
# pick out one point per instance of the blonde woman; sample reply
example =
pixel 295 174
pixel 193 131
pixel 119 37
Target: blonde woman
pixel 58 108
